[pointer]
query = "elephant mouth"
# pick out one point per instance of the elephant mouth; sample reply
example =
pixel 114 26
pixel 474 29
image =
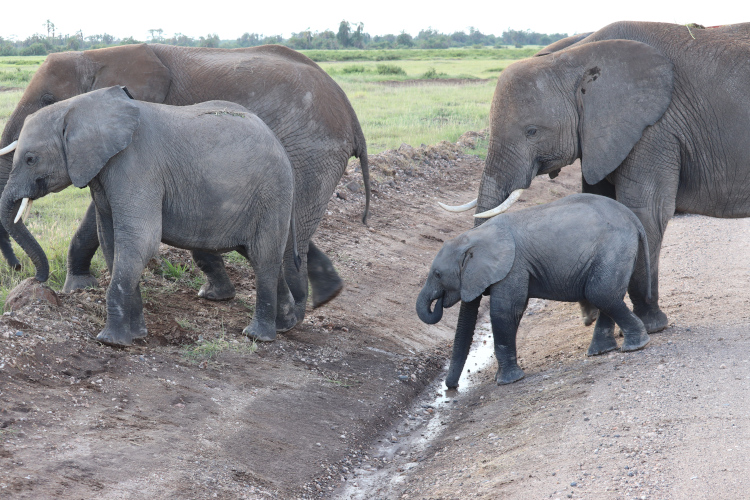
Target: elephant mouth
pixel 450 299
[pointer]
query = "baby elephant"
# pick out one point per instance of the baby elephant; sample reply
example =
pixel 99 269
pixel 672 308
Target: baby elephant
pixel 210 177
pixel 580 247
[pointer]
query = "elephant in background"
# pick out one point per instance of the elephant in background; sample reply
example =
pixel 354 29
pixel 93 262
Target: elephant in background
pixel 147 166
pixel 658 114
pixel 302 105
pixel 580 247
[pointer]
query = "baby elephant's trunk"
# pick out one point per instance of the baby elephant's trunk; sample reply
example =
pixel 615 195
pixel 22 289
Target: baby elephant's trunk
pixel 424 303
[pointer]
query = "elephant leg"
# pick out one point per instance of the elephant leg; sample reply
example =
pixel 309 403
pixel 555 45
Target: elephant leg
pixel 124 256
pixel 632 327
pixel 80 253
pixel 218 285
pixel 506 311
pixel 604 336
pixel 467 321
pixel 267 269
pixel 589 313
pixel 7 250
pixel 286 316
pixel 325 282
pixel 296 280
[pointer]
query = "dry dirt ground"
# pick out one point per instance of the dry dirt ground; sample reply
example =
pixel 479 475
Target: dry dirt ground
pixel 197 411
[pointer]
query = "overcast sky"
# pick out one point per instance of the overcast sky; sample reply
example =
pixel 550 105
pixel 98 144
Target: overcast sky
pixel 230 19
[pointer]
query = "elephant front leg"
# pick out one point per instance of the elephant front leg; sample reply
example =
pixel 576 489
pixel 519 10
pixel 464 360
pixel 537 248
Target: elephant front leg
pixel 286 316
pixel 506 313
pixel 604 336
pixel 80 253
pixel 325 282
pixel 218 286
pixel 263 326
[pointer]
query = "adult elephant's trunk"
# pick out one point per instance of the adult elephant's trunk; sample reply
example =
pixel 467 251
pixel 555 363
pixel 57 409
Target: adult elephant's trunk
pixel 9 205
pixel 424 303
pixel 467 320
pixel 6 163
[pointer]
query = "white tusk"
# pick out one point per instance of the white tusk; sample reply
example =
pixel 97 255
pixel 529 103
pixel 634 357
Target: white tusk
pixel 10 147
pixel 459 208
pixel 21 210
pixel 27 212
pixel 502 207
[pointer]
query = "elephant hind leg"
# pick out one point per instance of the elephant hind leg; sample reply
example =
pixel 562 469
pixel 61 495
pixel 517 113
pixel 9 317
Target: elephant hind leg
pixel 325 282
pixel 218 285
pixel 80 253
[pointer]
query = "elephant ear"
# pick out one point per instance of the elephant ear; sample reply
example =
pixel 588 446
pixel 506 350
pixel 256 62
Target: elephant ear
pixel 98 125
pixel 624 87
pixel 133 66
pixel 486 255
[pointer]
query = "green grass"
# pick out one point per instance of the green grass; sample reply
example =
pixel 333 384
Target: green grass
pixel 209 349
pixel 421 97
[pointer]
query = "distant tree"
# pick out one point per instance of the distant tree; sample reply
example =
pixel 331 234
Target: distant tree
pixel 129 41
pixel 325 40
pixel 273 39
pixel 343 36
pixel 357 38
pixel 405 39
pixel 248 40
pixel 156 35
pixel 211 41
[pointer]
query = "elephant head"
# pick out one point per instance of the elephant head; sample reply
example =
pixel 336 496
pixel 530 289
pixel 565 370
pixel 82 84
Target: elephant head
pixel 67 74
pixel 63 144
pixel 591 101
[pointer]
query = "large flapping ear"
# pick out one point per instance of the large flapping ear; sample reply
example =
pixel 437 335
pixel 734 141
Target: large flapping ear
pixel 133 66
pixel 624 87
pixel 486 255
pixel 98 125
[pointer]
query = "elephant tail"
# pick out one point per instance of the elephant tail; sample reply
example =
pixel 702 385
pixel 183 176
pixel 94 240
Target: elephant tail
pixel 361 153
pixel 295 249
pixel 643 241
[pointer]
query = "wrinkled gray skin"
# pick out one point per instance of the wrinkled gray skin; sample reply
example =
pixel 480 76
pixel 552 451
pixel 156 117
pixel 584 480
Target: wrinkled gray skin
pixel 580 247
pixel 305 108
pixel 210 177
pixel 658 115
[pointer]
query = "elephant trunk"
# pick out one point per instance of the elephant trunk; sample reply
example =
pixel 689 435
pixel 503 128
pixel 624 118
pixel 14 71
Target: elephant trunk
pixel 467 321
pixel 9 206
pixel 424 302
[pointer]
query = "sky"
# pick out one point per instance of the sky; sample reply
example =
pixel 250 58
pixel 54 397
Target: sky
pixel 230 19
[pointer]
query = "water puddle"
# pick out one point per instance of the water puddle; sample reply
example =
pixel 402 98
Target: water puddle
pixel 405 445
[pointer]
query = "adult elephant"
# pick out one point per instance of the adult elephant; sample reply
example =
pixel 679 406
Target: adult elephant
pixel 305 108
pixel 658 114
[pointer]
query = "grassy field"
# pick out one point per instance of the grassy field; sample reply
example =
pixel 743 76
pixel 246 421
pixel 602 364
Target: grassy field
pixel 401 96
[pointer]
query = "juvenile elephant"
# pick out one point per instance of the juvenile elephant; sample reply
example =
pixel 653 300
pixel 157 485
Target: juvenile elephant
pixel 580 247
pixel 304 107
pixel 210 177
pixel 658 114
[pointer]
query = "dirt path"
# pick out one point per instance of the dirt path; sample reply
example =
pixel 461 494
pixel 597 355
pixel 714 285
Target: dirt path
pixel 196 412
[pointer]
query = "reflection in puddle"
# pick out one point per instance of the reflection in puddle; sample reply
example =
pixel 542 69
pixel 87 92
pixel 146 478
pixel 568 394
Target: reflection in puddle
pixel 404 446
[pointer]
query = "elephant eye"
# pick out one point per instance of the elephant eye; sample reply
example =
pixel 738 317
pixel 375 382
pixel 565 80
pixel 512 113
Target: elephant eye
pixel 30 159
pixel 530 131
pixel 47 99
pixel 438 275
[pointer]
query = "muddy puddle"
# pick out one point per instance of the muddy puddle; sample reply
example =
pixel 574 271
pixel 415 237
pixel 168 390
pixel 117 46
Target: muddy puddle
pixel 406 444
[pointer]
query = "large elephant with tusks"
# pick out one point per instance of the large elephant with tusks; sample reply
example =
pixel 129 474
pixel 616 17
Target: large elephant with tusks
pixel 658 114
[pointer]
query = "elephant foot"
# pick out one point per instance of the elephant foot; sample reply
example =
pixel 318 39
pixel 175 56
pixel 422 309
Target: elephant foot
pixel 653 320
pixel 326 291
pixel 589 312
pixel 635 341
pixel 115 337
pixel 604 342
pixel 286 318
pixel 217 292
pixel 79 282
pixel 509 375
pixel 262 333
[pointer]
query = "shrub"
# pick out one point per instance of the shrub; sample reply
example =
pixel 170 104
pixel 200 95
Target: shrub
pixel 389 69
pixel 353 69
pixel 432 73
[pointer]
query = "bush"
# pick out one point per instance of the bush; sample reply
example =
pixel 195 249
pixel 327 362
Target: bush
pixel 35 49
pixel 353 69
pixel 432 73
pixel 389 69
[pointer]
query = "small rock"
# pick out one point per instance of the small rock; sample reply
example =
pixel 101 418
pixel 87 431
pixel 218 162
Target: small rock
pixel 353 187
pixel 29 291
pixel 574 484
pixel 342 195
pixel 723 366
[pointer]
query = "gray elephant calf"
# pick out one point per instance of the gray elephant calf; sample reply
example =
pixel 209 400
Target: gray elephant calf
pixel 580 247
pixel 209 177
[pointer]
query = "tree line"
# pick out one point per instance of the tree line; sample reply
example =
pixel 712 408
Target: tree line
pixel 348 36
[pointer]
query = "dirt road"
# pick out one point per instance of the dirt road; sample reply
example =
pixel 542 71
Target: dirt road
pixel 196 411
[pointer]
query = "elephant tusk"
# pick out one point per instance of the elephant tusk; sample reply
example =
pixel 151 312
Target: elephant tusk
pixel 26 203
pixel 10 147
pixel 502 207
pixel 459 208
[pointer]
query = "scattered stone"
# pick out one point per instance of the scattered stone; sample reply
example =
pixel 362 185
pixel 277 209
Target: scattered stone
pixel 29 291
